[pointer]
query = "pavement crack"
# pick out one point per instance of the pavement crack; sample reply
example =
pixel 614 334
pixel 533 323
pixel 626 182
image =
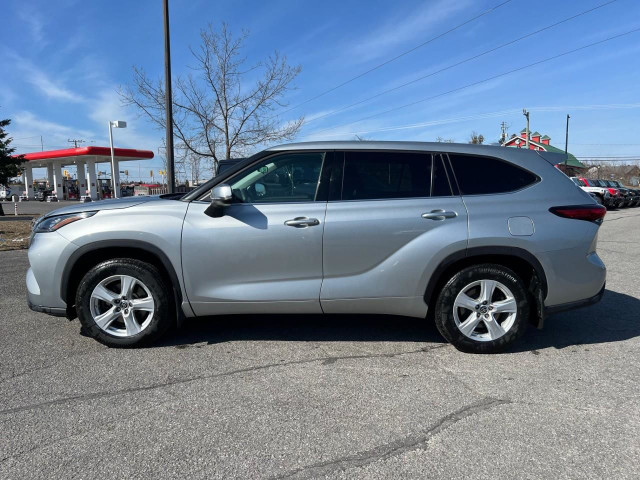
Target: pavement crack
pixel 394 448
pixel 182 381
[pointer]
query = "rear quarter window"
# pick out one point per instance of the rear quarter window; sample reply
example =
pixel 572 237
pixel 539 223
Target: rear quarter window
pixel 478 175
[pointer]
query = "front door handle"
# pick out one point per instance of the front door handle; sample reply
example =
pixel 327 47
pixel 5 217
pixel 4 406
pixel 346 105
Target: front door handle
pixel 302 222
pixel 439 214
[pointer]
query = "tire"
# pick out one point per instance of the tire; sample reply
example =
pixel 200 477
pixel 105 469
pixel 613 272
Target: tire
pixel 145 314
pixel 485 336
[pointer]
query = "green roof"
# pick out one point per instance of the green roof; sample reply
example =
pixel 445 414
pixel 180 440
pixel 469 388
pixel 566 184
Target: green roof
pixel 571 161
pixel 535 134
pixel 546 137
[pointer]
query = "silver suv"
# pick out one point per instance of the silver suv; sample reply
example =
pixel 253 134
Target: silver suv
pixel 482 240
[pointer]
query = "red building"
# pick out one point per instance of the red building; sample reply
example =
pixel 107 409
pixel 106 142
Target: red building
pixel 542 143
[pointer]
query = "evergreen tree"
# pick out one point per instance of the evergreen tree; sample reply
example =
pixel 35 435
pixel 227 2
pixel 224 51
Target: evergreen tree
pixel 9 165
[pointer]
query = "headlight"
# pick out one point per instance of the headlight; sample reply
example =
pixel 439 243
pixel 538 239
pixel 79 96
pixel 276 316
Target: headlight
pixel 51 224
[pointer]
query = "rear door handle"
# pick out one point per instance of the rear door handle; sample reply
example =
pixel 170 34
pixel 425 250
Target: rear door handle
pixel 302 222
pixel 439 214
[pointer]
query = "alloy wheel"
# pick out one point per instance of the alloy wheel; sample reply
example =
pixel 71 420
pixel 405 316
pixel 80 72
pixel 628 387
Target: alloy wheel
pixel 122 305
pixel 485 310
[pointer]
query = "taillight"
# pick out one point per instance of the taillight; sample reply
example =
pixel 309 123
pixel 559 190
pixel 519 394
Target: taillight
pixel 590 213
pixel 613 191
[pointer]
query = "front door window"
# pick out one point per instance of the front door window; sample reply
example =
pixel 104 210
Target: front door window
pixel 284 178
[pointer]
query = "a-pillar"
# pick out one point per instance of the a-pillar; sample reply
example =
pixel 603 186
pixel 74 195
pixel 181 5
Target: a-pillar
pixel 92 184
pixel 50 176
pixel 82 180
pixel 58 181
pixel 115 175
pixel 28 182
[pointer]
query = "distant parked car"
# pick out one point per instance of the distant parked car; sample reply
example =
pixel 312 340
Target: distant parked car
pixel 633 199
pixel 600 194
pixel 617 199
pixel 41 195
pixel 628 197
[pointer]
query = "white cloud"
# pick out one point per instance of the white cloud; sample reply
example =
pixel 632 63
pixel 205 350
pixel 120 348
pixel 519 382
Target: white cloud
pixel 400 29
pixel 34 24
pixel 43 82
pixel 27 128
pixel 107 107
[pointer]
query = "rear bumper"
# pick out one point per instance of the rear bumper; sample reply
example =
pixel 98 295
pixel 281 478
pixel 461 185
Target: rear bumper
pixel 573 305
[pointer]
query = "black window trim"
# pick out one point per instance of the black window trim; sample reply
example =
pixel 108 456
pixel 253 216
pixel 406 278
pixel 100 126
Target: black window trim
pixel 462 194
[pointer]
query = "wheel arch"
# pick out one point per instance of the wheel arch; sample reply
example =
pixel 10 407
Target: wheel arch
pixel 88 256
pixel 524 263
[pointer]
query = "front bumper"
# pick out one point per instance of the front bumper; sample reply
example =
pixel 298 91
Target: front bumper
pixel 48 255
pixel 53 311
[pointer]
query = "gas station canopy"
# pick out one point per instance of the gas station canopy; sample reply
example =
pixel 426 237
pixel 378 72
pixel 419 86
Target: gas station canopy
pixel 70 155
pixel 54 160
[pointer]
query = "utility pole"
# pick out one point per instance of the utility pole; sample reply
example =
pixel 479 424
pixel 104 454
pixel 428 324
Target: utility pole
pixel 526 114
pixel 503 135
pixel 167 99
pixel 75 142
pixel 566 143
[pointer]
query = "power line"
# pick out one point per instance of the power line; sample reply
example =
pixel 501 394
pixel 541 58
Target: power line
pixel 474 57
pixel 502 113
pixel 386 62
pixel 548 59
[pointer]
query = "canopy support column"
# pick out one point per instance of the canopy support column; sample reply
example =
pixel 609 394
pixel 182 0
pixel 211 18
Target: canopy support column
pixel 82 180
pixel 50 176
pixel 92 184
pixel 58 181
pixel 28 182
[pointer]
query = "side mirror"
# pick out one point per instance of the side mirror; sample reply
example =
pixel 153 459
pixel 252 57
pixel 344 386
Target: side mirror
pixel 221 196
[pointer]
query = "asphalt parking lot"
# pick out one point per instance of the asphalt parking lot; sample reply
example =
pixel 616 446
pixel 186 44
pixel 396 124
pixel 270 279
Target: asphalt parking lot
pixel 327 397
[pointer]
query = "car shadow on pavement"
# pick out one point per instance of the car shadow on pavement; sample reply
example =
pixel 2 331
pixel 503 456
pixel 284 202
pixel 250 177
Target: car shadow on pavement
pixel 303 328
pixel 614 319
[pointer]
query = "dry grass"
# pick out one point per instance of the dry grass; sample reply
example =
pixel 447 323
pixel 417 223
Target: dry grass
pixel 14 234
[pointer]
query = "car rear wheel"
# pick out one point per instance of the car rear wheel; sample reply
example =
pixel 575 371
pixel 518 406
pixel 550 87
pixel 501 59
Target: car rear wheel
pixel 124 303
pixel 482 309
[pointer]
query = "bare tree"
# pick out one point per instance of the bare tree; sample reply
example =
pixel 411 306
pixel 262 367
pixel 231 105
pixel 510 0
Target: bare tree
pixel 224 108
pixel 476 139
pixel 444 140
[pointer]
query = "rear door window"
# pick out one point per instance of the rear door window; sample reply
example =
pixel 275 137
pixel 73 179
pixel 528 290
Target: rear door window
pixel 385 175
pixel 478 175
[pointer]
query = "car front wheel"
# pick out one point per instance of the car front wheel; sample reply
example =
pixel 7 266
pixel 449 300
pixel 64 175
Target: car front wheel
pixel 124 303
pixel 482 309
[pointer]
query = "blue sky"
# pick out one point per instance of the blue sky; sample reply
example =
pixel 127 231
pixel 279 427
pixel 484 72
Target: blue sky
pixel 63 62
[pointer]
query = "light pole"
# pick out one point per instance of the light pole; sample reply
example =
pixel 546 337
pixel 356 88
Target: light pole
pixel 171 181
pixel 114 174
